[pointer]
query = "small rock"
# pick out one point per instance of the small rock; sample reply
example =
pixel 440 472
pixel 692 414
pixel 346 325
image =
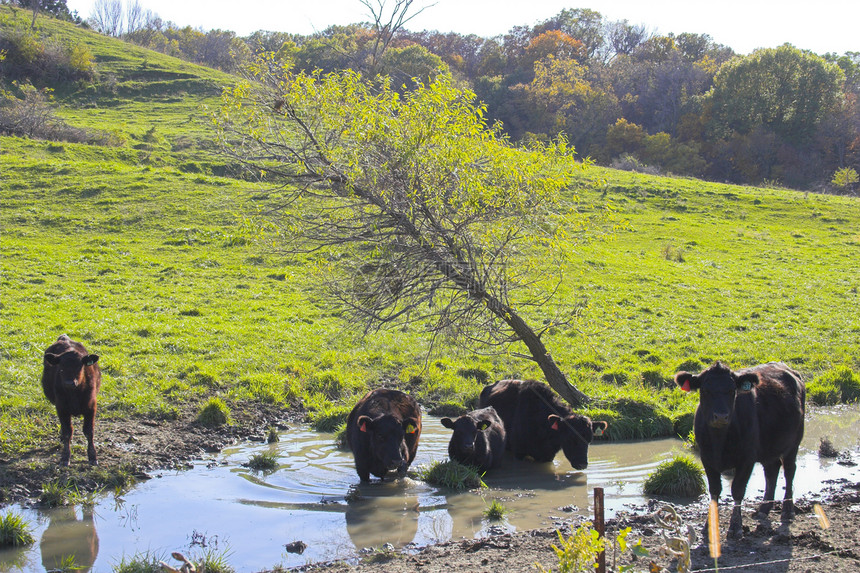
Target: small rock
pixel 388 547
pixel 296 547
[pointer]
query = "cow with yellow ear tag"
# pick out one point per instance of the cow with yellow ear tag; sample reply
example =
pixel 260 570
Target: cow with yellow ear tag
pixel 382 431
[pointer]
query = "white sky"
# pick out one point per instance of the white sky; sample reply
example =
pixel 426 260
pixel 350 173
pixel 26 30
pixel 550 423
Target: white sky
pixel 819 25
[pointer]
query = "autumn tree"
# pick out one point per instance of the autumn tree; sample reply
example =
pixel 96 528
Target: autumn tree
pixel 423 209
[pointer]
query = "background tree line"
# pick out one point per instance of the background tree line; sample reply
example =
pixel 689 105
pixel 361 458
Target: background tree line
pixel 624 96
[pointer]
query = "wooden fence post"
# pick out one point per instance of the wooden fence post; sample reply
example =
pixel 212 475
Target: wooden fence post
pixel 600 526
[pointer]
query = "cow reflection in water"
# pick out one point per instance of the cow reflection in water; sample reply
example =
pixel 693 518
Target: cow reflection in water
pixel 375 521
pixel 68 537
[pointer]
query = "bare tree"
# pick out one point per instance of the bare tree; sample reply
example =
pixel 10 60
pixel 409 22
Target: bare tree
pixel 135 16
pixel 107 17
pixel 386 25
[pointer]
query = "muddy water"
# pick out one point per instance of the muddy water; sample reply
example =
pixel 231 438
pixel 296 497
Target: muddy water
pixel 221 506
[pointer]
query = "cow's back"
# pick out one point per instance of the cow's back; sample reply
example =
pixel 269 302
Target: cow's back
pixel 780 408
pixel 503 396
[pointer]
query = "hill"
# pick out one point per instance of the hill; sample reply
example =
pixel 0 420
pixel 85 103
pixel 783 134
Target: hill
pixel 143 251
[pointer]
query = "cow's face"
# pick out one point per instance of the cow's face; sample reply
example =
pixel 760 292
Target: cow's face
pixel 466 430
pixel 576 433
pixel 718 388
pixel 70 367
pixel 387 439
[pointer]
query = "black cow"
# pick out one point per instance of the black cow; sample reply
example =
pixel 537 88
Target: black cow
pixel 71 379
pixel 382 431
pixel 539 424
pixel 752 415
pixel 478 439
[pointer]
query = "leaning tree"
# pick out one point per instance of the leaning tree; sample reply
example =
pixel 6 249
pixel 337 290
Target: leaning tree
pixel 427 213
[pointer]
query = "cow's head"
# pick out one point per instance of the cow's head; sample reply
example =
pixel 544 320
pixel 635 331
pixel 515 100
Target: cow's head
pixel 387 436
pixel 466 430
pixel 718 387
pixel 576 433
pixel 70 367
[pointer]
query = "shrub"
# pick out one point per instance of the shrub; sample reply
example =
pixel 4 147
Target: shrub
pixel 31 115
pixel 840 384
pixel 14 531
pixel 682 476
pixel 214 413
pixel 451 474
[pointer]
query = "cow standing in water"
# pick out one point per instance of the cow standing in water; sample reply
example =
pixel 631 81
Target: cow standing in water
pixel 382 431
pixel 752 415
pixel 71 379
pixel 538 424
pixel 478 439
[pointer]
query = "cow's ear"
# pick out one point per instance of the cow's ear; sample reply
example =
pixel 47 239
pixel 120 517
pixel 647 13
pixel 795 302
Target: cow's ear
pixel 447 422
pixel 746 382
pixel 687 381
pixel 410 425
pixel 52 359
pixel 599 427
pixel 90 359
pixel 554 422
pixel 483 425
pixel 364 423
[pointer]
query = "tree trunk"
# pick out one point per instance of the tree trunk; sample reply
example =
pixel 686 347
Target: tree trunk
pixel 553 374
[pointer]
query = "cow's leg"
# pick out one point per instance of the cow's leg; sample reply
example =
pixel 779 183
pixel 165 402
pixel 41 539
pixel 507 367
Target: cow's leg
pixel 66 432
pixel 89 432
pixel 771 473
pixel 739 490
pixel 789 465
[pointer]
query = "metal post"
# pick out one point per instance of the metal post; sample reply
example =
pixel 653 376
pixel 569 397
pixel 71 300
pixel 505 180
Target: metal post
pixel 600 527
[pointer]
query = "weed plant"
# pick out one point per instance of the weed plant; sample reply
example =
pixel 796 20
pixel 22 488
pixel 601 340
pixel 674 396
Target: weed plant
pixel 682 476
pixel 15 531
pixel 452 474
pixel 496 510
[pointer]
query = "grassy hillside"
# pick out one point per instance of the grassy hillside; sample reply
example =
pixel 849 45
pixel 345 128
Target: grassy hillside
pixel 140 252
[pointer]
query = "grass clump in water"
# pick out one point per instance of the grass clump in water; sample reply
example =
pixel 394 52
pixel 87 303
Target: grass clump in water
pixel 451 474
pixel 266 461
pixel 496 510
pixel 682 476
pixel 14 531
pixel 214 413
pixel 145 562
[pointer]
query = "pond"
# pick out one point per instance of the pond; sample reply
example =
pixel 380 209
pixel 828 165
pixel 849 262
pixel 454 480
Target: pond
pixel 221 506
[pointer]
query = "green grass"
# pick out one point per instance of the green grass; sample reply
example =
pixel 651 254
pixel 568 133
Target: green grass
pixel 682 476
pixel 148 255
pixel 451 474
pixel 15 531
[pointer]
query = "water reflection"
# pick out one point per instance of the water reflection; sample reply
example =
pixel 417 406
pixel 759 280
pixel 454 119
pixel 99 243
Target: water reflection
pixel 399 514
pixel 70 543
